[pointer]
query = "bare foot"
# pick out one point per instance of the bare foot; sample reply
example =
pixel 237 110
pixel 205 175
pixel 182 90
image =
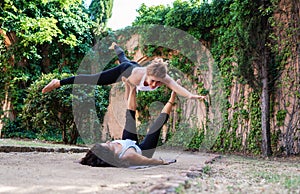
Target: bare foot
pixel 55 83
pixel 112 47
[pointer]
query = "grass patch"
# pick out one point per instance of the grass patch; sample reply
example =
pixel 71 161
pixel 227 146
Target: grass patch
pixel 288 181
pixel 206 169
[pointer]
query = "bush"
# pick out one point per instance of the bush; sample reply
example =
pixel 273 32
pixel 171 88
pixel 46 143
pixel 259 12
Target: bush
pixel 50 115
pixel 13 129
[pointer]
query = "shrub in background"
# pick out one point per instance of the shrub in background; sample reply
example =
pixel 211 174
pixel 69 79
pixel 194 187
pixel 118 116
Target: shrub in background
pixel 49 116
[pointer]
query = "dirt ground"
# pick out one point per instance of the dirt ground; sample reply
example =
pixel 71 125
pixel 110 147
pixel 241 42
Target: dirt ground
pixel 194 172
pixel 45 169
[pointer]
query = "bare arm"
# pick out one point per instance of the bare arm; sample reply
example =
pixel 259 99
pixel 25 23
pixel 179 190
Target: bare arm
pixel 130 94
pixel 136 159
pixel 173 85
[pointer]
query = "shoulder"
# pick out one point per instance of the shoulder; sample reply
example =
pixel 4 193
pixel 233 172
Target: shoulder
pixel 137 74
pixel 139 71
pixel 167 80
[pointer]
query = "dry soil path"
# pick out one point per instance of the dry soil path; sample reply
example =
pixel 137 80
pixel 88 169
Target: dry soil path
pixel 39 171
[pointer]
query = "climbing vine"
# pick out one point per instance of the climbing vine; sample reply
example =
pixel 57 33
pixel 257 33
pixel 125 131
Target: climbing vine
pixel 222 25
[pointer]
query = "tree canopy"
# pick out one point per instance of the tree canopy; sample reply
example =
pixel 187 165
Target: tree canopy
pixel 40 37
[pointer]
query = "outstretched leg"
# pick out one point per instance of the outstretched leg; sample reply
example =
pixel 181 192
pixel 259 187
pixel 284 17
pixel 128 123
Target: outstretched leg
pixel 106 77
pixel 149 144
pixel 130 131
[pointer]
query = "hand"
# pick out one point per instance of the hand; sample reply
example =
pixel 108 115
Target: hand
pixel 127 82
pixel 194 96
pixel 168 161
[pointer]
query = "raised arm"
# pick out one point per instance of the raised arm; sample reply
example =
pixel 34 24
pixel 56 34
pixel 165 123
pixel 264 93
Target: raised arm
pixel 171 83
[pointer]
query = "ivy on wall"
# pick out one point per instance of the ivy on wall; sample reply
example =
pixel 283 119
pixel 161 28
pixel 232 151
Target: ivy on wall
pixel 222 26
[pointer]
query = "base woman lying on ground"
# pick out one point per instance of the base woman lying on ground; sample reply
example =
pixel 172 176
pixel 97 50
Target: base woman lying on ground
pixel 128 151
pixel 144 78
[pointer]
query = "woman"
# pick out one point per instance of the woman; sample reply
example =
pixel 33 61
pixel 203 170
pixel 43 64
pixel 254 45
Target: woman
pixel 128 151
pixel 144 78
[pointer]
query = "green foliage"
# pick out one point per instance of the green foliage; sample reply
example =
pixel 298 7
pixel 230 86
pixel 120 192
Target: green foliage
pixel 14 129
pixel 147 99
pixel 233 29
pixel 13 84
pixel 183 64
pixel 186 137
pixel 40 37
pixel 44 35
pixel 196 141
pixel 198 20
pixel 288 181
pixel 50 115
pixel 47 114
pixel 254 136
pixel 280 117
pixel 151 15
pixel 56 22
pixel 100 12
pixel 184 15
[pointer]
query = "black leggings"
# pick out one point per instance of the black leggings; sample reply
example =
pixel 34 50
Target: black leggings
pixel 106 77
pixel 150 141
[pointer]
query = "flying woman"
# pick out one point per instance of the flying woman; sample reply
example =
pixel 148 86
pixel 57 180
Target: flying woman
pixel 144 78
pixel 128 151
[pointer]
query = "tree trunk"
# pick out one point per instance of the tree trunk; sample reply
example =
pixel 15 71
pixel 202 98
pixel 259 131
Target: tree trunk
pixel 74 135
pixel 265 108
pixel 8 112
pixel 46 62
pixel 7 106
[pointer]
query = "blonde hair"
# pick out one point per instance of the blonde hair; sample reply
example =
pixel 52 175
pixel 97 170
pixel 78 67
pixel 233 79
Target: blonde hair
pixel 157 68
